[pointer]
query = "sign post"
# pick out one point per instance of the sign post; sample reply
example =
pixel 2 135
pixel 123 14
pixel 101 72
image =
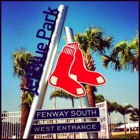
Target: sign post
pixel 43 83
pixel 83 100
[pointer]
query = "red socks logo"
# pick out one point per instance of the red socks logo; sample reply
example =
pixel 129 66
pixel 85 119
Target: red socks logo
pixel 70 71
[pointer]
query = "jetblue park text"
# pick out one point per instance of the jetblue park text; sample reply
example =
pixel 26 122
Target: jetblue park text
pixel 35 66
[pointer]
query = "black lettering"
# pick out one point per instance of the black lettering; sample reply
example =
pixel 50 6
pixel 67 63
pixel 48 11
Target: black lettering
pixel 50 20
pixel 43 55
pixel 33 76
pixel 39 60
pixel 33 68
pixel 29 90
pixel 30 84
pixel 39 35
pixel 41 46
pixel 50 26
pixel 51 12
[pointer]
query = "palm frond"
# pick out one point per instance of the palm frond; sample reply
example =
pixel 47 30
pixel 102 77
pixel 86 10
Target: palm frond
pixel 124 109
pixel 28 98
pixel 93 40
pixel 115 63
pixel 20 60
pixel 99 98
pixel 127 54
pixel 61 94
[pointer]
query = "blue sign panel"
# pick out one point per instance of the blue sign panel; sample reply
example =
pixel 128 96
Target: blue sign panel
pixel 65 128
pixel 67 113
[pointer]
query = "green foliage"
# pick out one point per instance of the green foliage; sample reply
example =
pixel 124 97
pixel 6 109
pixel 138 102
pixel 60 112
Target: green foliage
pixel 28 98
pixel 99 98
pixel 114 62
pixel 111 105
pixel 124 109
pixel 61 94
pixel 93 41
pixel 125 55
pixel 134 116
pixel 20 60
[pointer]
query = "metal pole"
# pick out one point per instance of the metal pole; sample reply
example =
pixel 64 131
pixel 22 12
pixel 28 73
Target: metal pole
pixel 83 100
pixel 55 121
pixel 38 99
pixel 107 121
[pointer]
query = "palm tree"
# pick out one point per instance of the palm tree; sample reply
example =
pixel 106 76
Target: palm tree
pixel 125 55
pixel 124 110
pixel 90 42
pixel 134 116
pixel 65 95
pixel 20 61
pixel 111 108
pixel 99 98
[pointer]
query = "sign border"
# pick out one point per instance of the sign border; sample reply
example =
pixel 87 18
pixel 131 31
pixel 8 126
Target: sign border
pixel 89 108
pixel 94 122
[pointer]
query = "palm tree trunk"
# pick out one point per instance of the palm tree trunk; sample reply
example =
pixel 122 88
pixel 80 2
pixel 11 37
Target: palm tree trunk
pixel 25 110
pixel 124 124
pixel 90 95
pixel 89 89
pixel 72 102
pixel 89 63
pixel 24 116
pixel 91 100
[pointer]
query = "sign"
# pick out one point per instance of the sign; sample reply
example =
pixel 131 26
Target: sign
pixel 104 133
pixel 69 78
pixel 65 128
pixel 67 113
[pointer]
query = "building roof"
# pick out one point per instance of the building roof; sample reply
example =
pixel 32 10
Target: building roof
pixel 134 124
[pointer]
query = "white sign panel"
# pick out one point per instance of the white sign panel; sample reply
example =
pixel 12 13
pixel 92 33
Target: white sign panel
pixel 104 132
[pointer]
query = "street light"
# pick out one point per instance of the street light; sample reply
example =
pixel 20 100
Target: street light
pixel 128 118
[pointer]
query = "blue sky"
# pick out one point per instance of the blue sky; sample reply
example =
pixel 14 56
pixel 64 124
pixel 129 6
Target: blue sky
pixel 22 20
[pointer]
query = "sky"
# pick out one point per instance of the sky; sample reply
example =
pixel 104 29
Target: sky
pixel 22 20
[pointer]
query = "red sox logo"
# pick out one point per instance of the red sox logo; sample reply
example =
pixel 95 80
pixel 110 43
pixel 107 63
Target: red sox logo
pixel 70 71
